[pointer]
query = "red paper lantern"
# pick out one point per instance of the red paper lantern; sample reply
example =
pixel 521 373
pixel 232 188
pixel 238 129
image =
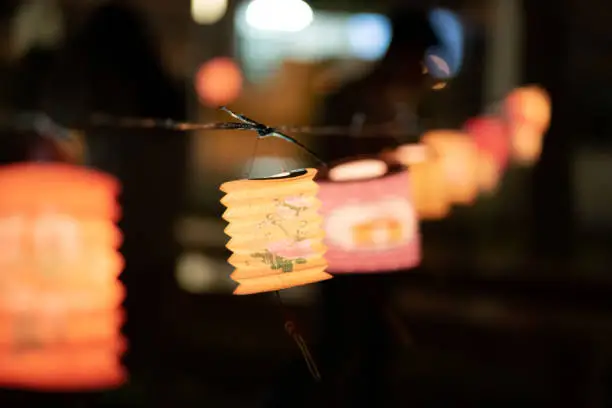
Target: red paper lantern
pixel 60 314
pixel 491 136
pixel 370 222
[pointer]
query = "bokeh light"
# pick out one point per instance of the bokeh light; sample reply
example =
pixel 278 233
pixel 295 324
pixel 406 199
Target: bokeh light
pixel 218 81
pixel 369 35
pixel 279 15
pixel 444 61
pixel 208 11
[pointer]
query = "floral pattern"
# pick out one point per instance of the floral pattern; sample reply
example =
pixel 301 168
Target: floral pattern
pixel 294 249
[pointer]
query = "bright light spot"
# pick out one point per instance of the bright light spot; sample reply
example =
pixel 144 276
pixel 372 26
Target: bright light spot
pixel 279 15
pixel 439 85
pixel 358 170
pixel 218 81
pixel 369 35
pixel 208 11
pixel 195 273
pixel 449 30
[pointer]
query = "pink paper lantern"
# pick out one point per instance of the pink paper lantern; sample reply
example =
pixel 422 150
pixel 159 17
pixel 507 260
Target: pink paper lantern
pixel 370 222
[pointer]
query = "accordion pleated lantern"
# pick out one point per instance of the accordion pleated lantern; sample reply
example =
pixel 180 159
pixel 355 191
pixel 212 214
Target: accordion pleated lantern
pixel 491 137
pixel 60 314
pixel 427 182
pixel 459 160
pixel 276 232
pixel 370 222
pixel 528 111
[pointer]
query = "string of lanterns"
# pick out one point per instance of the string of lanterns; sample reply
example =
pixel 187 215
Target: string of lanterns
pixel 60 295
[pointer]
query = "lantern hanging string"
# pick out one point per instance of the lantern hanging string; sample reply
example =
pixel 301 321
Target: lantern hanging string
pixel 293 331
pixel 43 124
pixel 21 121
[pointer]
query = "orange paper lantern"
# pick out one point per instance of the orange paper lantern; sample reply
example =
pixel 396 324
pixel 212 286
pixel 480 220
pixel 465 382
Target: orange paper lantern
pixel 427 182
pixel 276 232
pixel 528 111
pixel 60 315
pixel 458 158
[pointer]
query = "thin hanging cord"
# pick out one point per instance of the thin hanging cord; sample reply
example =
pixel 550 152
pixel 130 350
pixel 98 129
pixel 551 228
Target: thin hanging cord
pixel 293 331
pixel 252 160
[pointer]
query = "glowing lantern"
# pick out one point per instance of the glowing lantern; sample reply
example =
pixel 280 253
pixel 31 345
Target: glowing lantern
pixel 528 111
pixel 218 82
pixel 370 222
pixel 427 181
pixel 60 299
pixel 491 137
pixel 275 230
pixel 459 159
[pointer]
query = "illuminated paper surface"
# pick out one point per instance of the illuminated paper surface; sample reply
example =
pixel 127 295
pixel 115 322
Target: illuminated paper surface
pixel 60 298
pixel 276 232
pixel 370 221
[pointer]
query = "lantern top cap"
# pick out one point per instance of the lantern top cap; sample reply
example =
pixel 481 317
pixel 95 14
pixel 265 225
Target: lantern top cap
pixel 55 174
pixel 358 170
pixel 290 177
pixel 284 175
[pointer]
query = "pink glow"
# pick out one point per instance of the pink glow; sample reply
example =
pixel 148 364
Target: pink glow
pixel 491 135
pixel 291 250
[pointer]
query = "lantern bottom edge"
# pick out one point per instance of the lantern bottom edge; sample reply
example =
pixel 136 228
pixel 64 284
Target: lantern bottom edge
pixel 279 282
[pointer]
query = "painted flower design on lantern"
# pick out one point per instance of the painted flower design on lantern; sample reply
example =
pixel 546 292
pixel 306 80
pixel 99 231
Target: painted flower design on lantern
pixel 291 250
pixel 292 206
pixel 286 254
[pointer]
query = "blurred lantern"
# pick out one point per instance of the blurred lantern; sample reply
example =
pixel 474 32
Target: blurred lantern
pixel 528 111
pixel 218 81
pixel 491 137
pixel 370 222
pixel 60 299
pixel 427 181
pixel 275 230
pixel 457 154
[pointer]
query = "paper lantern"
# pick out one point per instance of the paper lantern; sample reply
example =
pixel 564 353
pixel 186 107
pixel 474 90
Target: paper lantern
pixel 528 111
pixel 275 230
pixel 427 182
pixel 459 159
pixel 491 137
pixel 60 298
pixel 370 221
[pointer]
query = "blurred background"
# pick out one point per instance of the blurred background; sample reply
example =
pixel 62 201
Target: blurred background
pixel 511 305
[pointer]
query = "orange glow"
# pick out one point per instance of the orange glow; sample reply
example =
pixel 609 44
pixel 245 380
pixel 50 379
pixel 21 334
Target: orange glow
pixel 218 81
pixel 528 111
pixel 60 315
pixel 276 232
pixel 489 173
pixel 459 160
pixel 427 182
